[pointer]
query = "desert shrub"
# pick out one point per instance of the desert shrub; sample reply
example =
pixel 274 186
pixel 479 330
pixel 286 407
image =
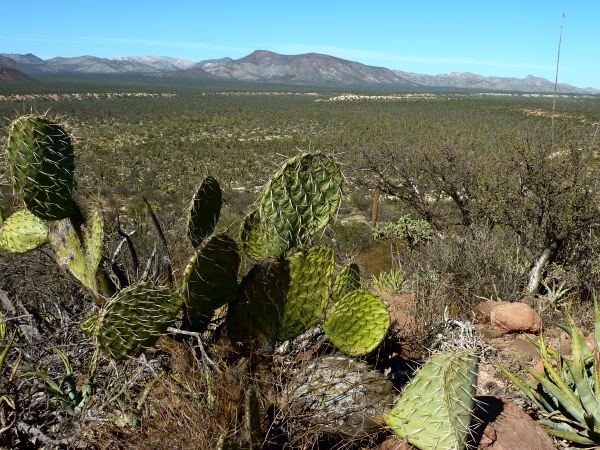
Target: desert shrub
pixel 459 270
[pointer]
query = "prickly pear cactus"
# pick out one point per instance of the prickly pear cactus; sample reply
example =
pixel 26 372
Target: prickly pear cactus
pixel 210 280
pixel 204 211
pixel 339 395
pixel 311 274
pixel 41 163
pixel 299 201
pixel 22 232
pixel 79 257
pixel 434 412
pixel 69 254
pixel 256 313
pixel 135 318
pixel 347 280
pixel 251 237
pixel 357 323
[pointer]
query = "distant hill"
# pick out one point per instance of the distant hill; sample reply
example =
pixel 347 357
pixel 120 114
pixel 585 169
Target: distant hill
pixel 308 68
pixel 10 74
pixel 262 66
pixel 213 62
pixel 31 64
pixel 467 80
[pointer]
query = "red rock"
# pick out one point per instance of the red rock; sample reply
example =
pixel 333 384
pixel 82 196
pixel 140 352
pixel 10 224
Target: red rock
pixel 482 311
pixel 515 317
pixel 394 443
pixel 501 425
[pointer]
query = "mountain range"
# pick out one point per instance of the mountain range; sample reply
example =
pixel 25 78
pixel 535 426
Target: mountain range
pixel 312 69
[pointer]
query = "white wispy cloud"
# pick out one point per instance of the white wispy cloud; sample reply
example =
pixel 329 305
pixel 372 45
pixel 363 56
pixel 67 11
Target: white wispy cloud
pixel 141 42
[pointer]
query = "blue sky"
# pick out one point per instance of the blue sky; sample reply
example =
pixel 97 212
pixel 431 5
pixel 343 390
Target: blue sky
pixel 505 38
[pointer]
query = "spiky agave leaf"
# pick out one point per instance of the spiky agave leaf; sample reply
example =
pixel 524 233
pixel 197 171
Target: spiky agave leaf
pixel 338 395
pixel 346 281
pixel 251 237
pixel 299 201
pixel 210 280
pixel 42 164
pixel 434 411
pixel 311 275
pixel 22 232
pixel 135 318
pixel 204 211
pixel 357 323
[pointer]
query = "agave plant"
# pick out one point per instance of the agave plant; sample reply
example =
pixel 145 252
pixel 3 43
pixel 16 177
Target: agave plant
pixel 569 390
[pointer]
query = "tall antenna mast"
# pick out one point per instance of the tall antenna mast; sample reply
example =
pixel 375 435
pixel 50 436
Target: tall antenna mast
pixel 562 21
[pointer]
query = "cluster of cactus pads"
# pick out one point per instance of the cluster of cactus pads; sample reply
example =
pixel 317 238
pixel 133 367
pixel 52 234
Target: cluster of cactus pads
pixel 291 288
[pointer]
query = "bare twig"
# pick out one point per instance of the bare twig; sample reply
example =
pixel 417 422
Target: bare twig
pixel 205 356
pixel 39 435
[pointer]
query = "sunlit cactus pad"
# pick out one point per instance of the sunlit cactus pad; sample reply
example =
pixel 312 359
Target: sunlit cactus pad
pixel 346 281
pixel 210 279
pixel 339 395
pixel 135 318
pixel 357 323
pixel 299 200
pixel 22 232
pixel 42 163
pixel 204 211
pixel 251 237
pixel 434 411
pixel 311 275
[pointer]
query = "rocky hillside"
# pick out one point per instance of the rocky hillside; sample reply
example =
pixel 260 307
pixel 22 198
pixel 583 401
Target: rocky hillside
pixel 10 74
pixel 467 80
pixel 308 68
pixel 313 69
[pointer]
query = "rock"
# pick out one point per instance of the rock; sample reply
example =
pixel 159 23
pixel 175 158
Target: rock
pixel 394 443
pixel 515 317
pixel 482 311
pixel 501 425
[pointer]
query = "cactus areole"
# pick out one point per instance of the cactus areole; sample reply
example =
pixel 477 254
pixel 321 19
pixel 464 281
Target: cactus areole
pixel 41 162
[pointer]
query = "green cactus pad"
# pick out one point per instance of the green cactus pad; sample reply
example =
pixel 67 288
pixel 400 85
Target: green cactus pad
pixel 348 280
pixel 311 275
pixel 256 314
pixel 204 211
pixel 357 323
pixel 338 395
pixel 22 232
pixel 299 201
pixel 434 411
pixel 251 237
pixel 135 318
pixel 210 279
pixel 41 162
